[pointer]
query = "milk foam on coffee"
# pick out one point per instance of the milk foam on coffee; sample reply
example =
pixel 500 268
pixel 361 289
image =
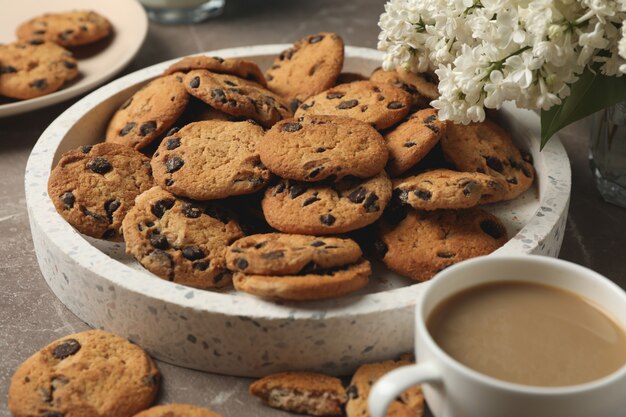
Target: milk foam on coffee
pixel 529 334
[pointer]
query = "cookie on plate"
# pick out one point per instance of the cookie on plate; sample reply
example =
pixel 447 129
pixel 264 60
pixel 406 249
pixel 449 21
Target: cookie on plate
pixel 177 410
pixel 418 244
pixel 179 240
pixel 285 254
pixel 409 142
pixel 381 105
pixel 487 148
pixel 316 285
pixel 236 96
pixel 309 67
pixel 241 68
pixel 446 189
pixel 421 86
pixel 313 148
pixel 92 373
pixel 326 208
pixel 408 404
pixel 210 160
pixel 29 70
pixel 75 28
pixel 309 393
pixel 94 187
pixel 150 112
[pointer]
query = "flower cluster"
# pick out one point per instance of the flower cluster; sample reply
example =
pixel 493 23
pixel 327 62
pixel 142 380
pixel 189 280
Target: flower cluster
pixel 486 52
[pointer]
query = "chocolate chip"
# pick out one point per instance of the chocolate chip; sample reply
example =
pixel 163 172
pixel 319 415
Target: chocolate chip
pixel 201 265
pixel 67 348
pixel 193 253
pixel 169 182
pixel 525 156
pixel 331 96
pixel 494 163
pixel 218 59
pixel 217 213
pixel 344 105
pixel 430 119
pixel 315 172
pixel 434 128
pixel 423 194
pixel 352 391
pixel 172 143
pixel 294 104
pixel 357 196
pixel 36 42
pixel 270 77
pixel 93 215
pixel 66 34
pixel 277 254
pixel 492 228
pixel 316 38
pixel 223 274
pixel 241 263
pixel 381 248
pixel 159 241
pixel 286 54
pixel 195 82
pixel 526 172
pixel 147 128
pixel 290 127
pixel 126 129
pixel 280 187
pixel 150 380
pixel 83 28
pixel 228 82
pixel 364 109
pixel 39 32
pixel 68 200
pixel 469 188
pixel 69 65
pixel 395 105
pixel 39 84
pixel 445 255
pixel 512 180
pixel 260 244
pixel 327 219
pixel 307 106
pixel 110 207
pixel 371 203
pixel 297 190
pixel 7 69
pixel 317 243
pixel 160 207
pixel 173 164
pixel 99 165
pixel 190 211
pixel 320 150
pixel 218 95
pixel 85 148
pixel 380 97
pixel 310 200
pixel 52 414
pixel 409 144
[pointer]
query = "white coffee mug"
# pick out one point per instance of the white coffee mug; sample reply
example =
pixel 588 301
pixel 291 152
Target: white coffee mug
pixel 454 390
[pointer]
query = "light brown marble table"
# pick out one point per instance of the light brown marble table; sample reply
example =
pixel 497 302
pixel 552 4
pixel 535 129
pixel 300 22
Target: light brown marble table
pixel 31 316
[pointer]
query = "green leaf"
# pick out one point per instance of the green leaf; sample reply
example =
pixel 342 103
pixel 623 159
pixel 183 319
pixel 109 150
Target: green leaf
pixel 591 93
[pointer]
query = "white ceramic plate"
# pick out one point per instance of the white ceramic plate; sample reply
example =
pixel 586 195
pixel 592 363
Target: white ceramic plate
pixel 235 333
pixel 97 62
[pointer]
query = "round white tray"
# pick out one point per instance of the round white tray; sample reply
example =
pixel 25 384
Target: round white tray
pixel 234 333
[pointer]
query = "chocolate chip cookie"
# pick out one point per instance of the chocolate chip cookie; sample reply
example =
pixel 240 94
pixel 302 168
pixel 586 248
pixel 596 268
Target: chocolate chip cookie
pixel 211 159
pixel 309 67
pixel 315 285
pixel 67 29
pixel 177 410
pixel 446 189
pixel 418 244
pixel 309 393
pixel 381 105
pixel 287 254
pixel 421 86
pixel 236 96
pixel 241 68
pixel 94 187
pixel 313 148
pixel 150 112
pixel 91 373
pixel 29 70
pixel 179 240
pixel 409 142
pixel 487 148
pixel 326 208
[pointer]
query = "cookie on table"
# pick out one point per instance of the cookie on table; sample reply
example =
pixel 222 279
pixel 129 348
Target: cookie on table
pixel 177 410
pixel 285 254
pixel 179 240
pixel 326 208
pixel 241 68
pixel 92 373
pixel 210 160
pixel 150 112
pixel 446 189
pixel 313 148
pixel 316 285
pixel 29 70
pixel 408 404
pixel 487 148
pixel 421 86
pixel 309 393
pixel 381 105
pixel 309 67
pixel 236 96
pixel 349 77
pixel 94 187
pixel 418 244
pixel 409 142
pixel 68 29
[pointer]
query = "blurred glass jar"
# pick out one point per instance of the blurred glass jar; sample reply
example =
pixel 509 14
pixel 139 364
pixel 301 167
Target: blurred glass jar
pixel 182 11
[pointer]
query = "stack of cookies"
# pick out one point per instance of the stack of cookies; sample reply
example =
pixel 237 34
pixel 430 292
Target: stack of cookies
pixel 216 173
pixel 38 63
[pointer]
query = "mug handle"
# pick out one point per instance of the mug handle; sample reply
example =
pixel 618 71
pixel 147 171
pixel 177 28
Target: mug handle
pixel 397 381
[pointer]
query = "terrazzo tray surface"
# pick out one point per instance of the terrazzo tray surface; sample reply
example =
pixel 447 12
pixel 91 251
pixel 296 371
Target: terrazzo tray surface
pixel 235 333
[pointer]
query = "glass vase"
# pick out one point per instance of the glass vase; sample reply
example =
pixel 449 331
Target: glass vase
pixel 607 153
